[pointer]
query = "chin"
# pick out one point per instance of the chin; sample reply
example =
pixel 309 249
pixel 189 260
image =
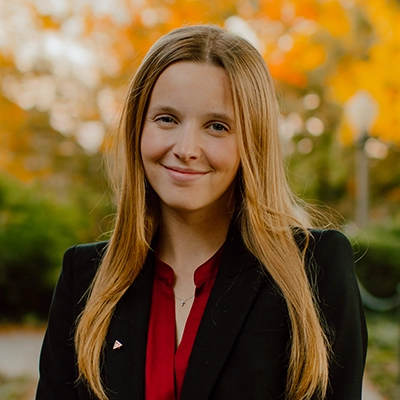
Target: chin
pixel 193 205
pixel 184 207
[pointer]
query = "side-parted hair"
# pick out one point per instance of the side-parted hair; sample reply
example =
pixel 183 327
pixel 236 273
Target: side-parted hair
pixel 266 210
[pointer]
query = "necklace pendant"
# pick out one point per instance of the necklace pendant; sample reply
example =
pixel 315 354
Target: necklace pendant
pixel 183 302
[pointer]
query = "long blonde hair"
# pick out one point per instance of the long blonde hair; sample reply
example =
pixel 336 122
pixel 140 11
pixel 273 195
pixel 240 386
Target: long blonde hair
pixel 266 210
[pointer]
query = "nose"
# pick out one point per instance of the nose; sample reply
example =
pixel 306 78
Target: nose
pixel 187 144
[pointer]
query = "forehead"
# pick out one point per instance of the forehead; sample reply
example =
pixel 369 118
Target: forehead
pixel 193 83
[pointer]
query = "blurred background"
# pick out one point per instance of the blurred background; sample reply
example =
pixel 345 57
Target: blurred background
pixel 64 68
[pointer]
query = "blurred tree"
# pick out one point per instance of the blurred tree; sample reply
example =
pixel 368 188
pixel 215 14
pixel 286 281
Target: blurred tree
pixel 370 54
pixel 34 233
pixel 70 61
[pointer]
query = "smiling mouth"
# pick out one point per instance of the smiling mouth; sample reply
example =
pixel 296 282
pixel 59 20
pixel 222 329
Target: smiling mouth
pixel 183 176
pixel 185 171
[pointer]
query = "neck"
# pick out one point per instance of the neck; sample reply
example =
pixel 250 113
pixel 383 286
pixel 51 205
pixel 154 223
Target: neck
pixel 186 241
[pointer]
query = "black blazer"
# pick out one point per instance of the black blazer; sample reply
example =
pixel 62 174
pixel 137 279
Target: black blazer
pixel 241 348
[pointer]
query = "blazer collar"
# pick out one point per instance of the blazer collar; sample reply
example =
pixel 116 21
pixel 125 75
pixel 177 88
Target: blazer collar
pixel 236 258
pixel 234 291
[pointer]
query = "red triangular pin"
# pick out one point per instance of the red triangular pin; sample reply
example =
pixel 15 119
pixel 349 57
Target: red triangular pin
pixel 117 345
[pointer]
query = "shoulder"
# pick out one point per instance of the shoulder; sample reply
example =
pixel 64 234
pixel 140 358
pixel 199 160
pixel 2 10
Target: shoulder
pixel 326 244
pixel 332 251
pixel 80 264
pixel 331 266
pixel 329 238
pixel 85 254
pixel 325 247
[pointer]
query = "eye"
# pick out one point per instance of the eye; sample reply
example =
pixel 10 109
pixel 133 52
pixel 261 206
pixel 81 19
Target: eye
pixel 218 127
pixel 165 119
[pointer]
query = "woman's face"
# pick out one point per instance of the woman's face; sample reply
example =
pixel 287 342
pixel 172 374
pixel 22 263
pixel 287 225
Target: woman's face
pixel 189 143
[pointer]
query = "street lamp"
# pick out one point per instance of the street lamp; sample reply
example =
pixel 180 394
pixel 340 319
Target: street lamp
pixel 361 111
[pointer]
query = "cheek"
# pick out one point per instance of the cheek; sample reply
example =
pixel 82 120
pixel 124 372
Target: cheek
pixel 144 153
pixel 148 160
pixel 228 159
pixel 149 148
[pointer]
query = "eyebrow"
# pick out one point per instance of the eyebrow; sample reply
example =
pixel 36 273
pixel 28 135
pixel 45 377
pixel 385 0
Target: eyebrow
pixel 166 109
pixel 212 115
pixel 221 116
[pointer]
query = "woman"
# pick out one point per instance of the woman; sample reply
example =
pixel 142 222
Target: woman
pixel 211 287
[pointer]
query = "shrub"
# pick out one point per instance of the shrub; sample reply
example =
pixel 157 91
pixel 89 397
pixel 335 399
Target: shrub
pixel 378 265
pixel 34 233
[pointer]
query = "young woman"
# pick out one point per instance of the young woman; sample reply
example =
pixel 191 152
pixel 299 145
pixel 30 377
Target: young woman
pixel 212 286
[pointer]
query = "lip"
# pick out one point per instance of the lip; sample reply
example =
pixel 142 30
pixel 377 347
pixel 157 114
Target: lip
pixel 183 174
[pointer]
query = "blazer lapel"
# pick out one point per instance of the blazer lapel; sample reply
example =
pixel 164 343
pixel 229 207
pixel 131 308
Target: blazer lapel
pixel 125 365
pixel 233 294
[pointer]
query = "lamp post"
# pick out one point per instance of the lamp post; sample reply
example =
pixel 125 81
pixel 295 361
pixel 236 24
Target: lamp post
pixel 361 111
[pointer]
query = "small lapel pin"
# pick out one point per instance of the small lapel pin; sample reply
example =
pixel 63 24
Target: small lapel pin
pixel 117 345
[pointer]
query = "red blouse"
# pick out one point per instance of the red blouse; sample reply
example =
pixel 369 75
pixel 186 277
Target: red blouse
pixel 165 364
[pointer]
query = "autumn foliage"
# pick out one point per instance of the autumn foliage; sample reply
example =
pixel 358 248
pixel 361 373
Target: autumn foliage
pixel 64 68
